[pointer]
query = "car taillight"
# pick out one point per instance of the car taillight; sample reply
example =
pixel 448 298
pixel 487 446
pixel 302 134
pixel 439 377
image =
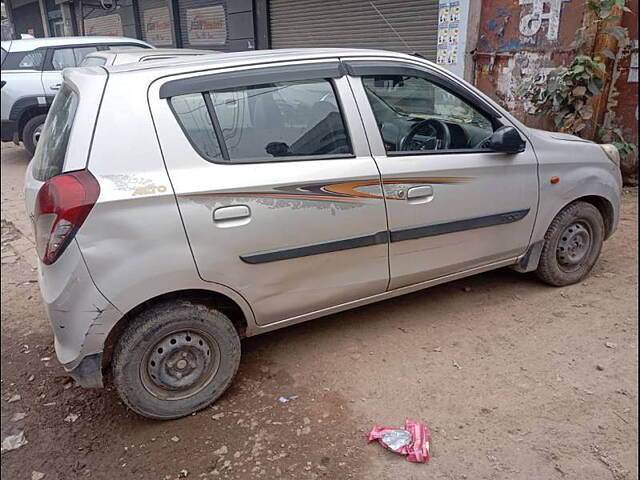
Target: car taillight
pixel 62 205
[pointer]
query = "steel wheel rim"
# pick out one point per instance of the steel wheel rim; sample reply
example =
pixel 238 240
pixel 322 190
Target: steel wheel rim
pixel 574 246
pixel 180 365
pixel 36 134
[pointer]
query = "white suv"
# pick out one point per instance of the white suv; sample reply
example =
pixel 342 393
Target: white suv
pixel 31 76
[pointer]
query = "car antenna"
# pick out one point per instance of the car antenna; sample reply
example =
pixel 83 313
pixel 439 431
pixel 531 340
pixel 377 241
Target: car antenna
pixel 395 31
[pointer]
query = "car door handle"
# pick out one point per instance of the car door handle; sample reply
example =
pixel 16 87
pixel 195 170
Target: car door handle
pixel 421 194
pixel 55 87
pixel 231 216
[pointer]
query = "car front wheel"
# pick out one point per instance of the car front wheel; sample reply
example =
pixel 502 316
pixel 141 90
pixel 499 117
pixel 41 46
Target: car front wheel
pixel 572 245
pixel 175 359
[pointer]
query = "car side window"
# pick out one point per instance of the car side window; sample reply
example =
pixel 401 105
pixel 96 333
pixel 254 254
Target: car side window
pixel 81 52
pixel 273 122
pixel 23 60
pixel 32 60
pixel 415 115
pixel 63 58
pixel 195 121
pixel 93 62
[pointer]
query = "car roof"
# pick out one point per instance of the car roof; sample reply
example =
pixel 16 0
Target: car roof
pixel 235 59
pixel 29 44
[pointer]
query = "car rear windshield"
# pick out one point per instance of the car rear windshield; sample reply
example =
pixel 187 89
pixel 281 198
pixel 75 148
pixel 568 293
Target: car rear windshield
pixel 48 160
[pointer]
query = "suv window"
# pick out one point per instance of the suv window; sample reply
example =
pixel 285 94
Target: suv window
pixel 415 114
pixel 70 57
pixel 274 121
pixel 63 58
pixel 80 53
pixel 48 160
pixel 23 60
pixel 93 62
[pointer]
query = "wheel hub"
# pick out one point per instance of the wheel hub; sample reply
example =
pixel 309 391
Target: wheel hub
pixel 574 245
pixel 36 134
pixel 180 364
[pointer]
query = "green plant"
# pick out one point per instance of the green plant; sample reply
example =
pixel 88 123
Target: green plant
pixel 565 91
pixel 615 137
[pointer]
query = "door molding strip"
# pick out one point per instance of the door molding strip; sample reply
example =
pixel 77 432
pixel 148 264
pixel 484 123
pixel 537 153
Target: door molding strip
pixel 384 237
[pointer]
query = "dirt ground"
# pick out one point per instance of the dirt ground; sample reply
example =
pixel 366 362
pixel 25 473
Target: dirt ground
pixel 515 379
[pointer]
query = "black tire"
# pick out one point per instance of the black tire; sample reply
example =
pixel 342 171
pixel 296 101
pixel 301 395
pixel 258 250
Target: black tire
pixel 568 233
pixel 179 327
pixel 29 131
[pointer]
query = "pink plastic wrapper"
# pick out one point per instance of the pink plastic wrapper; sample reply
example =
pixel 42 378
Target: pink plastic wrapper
pixel 412 441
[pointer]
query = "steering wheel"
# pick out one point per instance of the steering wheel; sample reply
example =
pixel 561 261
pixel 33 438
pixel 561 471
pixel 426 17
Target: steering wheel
pixel 436 129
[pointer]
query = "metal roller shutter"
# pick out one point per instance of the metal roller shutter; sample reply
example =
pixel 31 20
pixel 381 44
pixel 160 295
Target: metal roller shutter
pixel 203 24
pixel 355 23
pixel 110 25
pixel 157 26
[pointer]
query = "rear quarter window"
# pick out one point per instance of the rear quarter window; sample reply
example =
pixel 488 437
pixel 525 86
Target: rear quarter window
pixel 24 60
pixel 52 146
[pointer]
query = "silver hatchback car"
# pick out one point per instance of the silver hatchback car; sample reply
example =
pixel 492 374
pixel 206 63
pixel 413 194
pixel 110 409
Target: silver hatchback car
pixel 179 207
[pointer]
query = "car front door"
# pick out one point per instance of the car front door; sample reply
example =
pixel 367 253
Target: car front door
pixel 280 197
pixel 453 205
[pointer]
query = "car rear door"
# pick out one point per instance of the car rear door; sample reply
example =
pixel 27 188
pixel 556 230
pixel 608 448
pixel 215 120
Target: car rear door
pixel 452 204
pixel 59 58
pixel 280 197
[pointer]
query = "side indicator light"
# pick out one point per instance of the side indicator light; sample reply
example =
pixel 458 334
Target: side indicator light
pixel 555 180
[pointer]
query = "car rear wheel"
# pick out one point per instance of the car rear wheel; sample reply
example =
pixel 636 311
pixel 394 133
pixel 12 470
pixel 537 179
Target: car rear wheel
pixel 31 132
pixel 572 245
pixel 175 359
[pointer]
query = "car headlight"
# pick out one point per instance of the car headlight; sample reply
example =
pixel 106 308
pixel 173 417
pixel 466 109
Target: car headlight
pixel 612 152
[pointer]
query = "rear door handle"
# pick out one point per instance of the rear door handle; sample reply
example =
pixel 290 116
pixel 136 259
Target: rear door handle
pixel 232 216
pixel 421 194
pixel 55 87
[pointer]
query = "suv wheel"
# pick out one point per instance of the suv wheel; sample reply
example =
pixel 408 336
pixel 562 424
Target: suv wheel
pixel 31 132
pixel 571 245
pixel 175 359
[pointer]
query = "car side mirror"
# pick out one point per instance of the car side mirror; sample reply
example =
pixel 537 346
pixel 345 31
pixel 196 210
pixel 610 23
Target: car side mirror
pixel 507 140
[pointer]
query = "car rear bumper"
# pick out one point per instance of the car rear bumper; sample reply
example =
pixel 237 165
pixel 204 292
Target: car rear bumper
pixel 8 130
pixel 80 315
